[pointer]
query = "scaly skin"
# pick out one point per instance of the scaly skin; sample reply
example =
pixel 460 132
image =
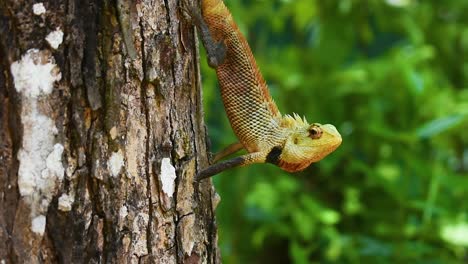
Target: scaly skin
pixel 286 141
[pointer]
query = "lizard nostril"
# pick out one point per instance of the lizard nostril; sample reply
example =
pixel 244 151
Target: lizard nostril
pixel 296 140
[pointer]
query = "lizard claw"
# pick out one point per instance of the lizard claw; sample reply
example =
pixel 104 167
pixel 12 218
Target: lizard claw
pixel 210 156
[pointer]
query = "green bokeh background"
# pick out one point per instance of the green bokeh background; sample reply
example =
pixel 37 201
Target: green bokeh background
pixel 392 76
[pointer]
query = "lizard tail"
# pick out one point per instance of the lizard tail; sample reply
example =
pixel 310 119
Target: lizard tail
pixel 218 18
pixel 249 106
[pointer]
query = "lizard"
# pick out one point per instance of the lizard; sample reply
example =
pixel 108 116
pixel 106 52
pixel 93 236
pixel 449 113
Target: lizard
pixel 288 141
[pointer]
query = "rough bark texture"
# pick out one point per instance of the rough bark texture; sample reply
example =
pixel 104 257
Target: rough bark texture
pixel 93 129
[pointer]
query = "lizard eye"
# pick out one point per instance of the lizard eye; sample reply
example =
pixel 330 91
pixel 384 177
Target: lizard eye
pixel 315 132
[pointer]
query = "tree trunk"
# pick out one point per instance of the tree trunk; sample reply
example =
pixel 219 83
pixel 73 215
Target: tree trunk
pixel 101 134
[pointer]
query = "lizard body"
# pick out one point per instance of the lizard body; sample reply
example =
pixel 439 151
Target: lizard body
pixel 286 141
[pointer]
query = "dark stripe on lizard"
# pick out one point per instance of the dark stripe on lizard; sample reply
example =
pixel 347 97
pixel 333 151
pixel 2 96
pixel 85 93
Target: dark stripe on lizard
pixel 274 155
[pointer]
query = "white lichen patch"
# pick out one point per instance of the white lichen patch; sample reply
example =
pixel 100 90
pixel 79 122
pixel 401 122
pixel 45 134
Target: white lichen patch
pixel 35 73
pixel 54 163
pixel 55 38
pixel 38 224
pixel 65 202
pixel 123 212
pixel 168 177
pixel 115 163
pixel 36 151
pixel 40 158
pixel 39 9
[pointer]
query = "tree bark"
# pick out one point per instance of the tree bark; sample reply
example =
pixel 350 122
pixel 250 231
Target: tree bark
pixel 101 134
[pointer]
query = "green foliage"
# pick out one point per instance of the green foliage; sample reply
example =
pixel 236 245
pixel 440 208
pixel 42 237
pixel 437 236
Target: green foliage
pixel 392 76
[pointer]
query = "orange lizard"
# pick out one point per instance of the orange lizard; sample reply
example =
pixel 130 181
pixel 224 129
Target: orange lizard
pixel 284 140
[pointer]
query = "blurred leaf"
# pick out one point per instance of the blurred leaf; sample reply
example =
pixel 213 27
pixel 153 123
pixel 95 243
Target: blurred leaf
pixel 304 224
pixel 264 196
pixel 329 217
pixel 373 247
pixel 299 254
pixel 439 125
pixel 352 201
pixel 456 234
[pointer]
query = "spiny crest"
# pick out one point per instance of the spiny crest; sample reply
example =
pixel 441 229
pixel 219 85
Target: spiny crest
pixel 294 121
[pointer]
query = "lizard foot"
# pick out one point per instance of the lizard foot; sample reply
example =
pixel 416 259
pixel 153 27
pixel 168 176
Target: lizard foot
pixel 216 50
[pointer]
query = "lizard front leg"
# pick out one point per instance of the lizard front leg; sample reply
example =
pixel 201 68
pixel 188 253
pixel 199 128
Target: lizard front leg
pixel 247 159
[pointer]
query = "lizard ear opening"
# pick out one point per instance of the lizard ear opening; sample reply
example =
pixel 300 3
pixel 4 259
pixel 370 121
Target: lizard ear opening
pixel 315 132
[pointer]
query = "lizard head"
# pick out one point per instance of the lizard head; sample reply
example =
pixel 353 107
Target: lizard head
pixel 306 143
